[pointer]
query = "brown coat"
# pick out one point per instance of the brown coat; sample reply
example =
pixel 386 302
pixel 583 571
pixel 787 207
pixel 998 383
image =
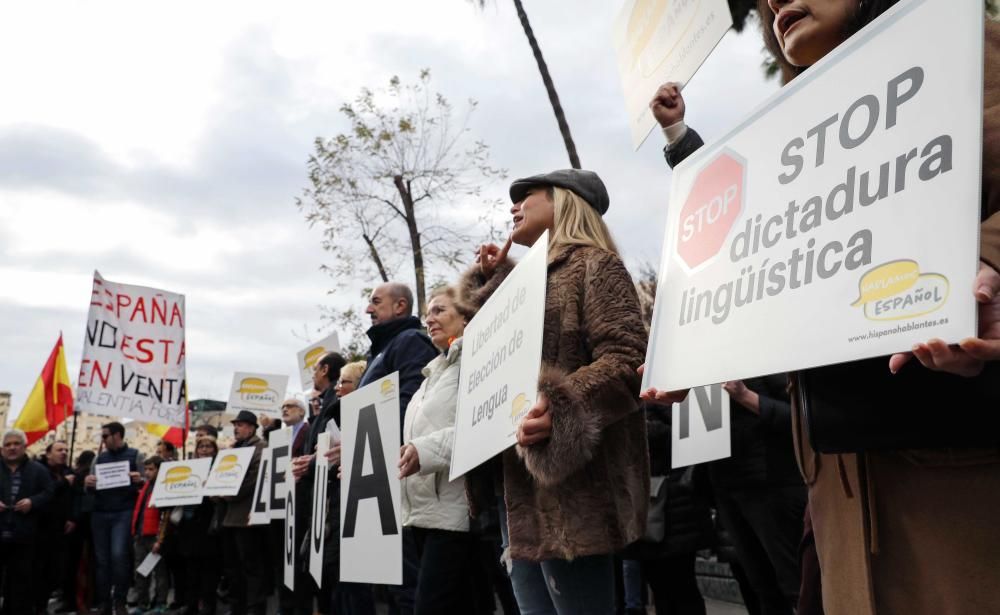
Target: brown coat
pixel 585 490
pixel 915 532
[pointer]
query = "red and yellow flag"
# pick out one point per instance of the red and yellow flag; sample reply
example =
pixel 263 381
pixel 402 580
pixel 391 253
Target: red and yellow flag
pixel 51 401
pixel 173 435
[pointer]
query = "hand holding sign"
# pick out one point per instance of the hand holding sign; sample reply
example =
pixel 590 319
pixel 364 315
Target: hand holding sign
pixel 661 397
pixel 536 426
pixel 966 358
pixel 668 104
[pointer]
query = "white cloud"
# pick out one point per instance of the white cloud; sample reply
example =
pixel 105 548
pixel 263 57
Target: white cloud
pixel 165 144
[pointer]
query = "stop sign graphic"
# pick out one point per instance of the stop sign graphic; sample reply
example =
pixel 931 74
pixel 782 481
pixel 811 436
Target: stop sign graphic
pixel 712 207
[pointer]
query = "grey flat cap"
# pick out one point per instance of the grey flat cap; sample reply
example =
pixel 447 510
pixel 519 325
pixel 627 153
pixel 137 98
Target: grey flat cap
pixel 585 183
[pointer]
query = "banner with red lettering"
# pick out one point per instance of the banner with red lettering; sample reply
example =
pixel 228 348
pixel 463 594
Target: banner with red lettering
pixel 133 354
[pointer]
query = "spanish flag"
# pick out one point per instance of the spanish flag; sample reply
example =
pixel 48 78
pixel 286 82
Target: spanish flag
pixel 173 435
pixel 51 401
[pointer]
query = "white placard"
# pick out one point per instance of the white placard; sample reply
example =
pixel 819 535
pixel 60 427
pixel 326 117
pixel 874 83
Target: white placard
pixel 228 471
pixel 333 430
pixel 317 531
pixel 700 429
pixel 308 356
pixel 260 511
pixel 180 483
pixel 501 358
pixel 133 354
pixel 112 475
pixel 148 564
pixel 280 452
pixel 257 393
pixel 663 40
pixel 782 254
pixel 290 548
pixel 371 539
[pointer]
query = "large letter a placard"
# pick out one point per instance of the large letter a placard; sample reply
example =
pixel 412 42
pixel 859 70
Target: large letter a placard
pixel 371 545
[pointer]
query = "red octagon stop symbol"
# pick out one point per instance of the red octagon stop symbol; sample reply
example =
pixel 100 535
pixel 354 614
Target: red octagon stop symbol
pixel 711 209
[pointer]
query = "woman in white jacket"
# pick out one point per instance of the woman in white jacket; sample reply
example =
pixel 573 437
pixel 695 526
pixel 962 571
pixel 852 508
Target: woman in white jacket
pixel 434 509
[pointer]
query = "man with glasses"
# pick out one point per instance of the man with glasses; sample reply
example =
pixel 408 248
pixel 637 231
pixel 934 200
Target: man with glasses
pixel 112 519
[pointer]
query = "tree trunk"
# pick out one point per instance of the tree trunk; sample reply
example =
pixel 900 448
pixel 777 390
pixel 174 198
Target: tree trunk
pixel 574 160
pixel 373 252
pixel 411 227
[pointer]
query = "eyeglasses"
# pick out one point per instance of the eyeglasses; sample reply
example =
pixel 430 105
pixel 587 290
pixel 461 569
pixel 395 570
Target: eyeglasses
pixel 343 382
pixel 289 407
pixel 105 436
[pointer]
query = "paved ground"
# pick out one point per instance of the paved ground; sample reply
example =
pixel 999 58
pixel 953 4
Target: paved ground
pixel 716 607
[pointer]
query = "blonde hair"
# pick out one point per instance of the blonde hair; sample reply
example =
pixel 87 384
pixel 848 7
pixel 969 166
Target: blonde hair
pixel 354 370
pixel 577 223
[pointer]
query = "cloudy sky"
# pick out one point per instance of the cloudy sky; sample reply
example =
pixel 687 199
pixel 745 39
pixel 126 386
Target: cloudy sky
pixel 164 144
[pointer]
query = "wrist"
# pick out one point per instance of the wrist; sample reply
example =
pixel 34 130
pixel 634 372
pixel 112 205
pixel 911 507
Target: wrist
pixel 675 132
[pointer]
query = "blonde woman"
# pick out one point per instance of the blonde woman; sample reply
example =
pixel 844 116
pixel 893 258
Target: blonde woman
pixel 575 488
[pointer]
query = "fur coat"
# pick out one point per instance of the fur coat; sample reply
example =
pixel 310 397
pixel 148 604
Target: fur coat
pixel 585 490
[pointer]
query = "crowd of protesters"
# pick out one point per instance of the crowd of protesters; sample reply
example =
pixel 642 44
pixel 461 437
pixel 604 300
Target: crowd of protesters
pixel 583 515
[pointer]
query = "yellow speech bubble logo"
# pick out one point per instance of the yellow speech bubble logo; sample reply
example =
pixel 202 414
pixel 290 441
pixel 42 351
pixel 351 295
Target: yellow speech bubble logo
pixel 314 355
pixel 520 403
pixel 253 385
pixel 387 388
pixel 227 463
pixel 642 23
pixel 887 280
pixel 177 474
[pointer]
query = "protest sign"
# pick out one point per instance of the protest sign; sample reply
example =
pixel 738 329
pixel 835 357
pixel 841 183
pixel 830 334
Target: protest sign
pixel 290 546
pixel 280 452
pixel 180 483
pixel 228 471
pixel 317 533
pixel 133 354
pixel 371 538
pixel 111 475
pixel 501 357
pixel 308 356
pixel 260 511
pixel 148 564
pixel 837 222
pixel 700 429
pixel 257 393
pixel 657 41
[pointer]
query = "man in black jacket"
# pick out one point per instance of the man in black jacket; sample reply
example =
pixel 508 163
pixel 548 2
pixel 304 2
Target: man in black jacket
pixel 25 490
pixel 760 496
pixel 112 519
pixel 56 523
pixel 399 342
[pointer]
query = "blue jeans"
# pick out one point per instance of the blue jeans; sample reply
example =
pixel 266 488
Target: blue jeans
pixel 583 586
pixel 112 542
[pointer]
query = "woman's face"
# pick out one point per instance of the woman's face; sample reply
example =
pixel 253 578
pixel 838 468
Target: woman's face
pixel 345 384
pixel 532 217
pixel 807 30
pixel 204 449
pixel 443 321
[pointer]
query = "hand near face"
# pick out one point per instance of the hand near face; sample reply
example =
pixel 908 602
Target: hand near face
pixel 968 357
pixel 536 426
pixel 409 460
pixel 661 397
pixel 490 256
pixel 668 104
pixel 136 477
